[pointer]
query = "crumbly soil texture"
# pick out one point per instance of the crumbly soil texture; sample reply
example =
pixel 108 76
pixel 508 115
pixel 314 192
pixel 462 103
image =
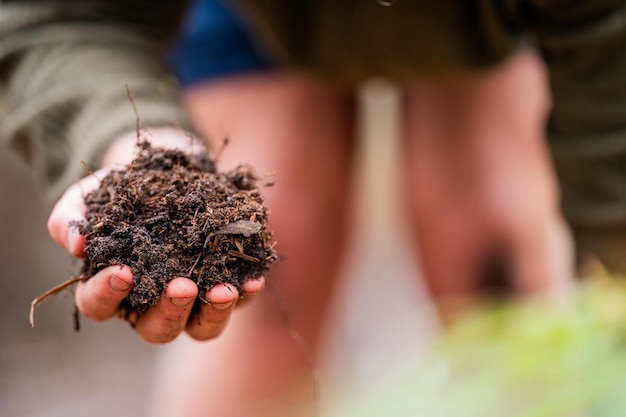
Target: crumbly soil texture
pixel 169 214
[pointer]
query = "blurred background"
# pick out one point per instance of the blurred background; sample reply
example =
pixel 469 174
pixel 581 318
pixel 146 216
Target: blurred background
pixel 106 370
pixel 51 370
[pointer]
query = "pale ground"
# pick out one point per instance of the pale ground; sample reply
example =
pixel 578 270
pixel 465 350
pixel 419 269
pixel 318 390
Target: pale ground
pixel 105 370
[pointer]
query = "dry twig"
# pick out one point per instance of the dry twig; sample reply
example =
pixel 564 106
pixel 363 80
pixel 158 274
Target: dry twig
pixel 52 291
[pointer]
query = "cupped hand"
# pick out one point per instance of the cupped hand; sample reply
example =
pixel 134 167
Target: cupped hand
pixel 99 297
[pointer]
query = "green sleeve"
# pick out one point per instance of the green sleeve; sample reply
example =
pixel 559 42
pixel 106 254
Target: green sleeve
pixel 63 66
pixel 584 46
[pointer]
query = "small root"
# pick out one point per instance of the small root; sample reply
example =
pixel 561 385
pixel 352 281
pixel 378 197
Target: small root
pixel 137 122
pixel 220 151
pixel 243 256
pixel 53 291
pixel 194 265
pixel 299 341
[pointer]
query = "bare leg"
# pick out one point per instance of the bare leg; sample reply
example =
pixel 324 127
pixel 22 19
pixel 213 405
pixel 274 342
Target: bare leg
pixel 481 183
pixel 300 131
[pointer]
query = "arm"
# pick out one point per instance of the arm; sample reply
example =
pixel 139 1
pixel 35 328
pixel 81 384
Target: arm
pixel 63 69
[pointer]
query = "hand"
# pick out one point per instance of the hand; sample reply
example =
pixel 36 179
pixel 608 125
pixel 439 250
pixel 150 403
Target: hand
pixel 99 297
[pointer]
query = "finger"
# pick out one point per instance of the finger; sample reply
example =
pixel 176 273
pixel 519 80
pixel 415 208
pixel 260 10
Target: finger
pixel 70 208
pixel 99 297
pixel 251 287
pixel 213 316
pixel 168 318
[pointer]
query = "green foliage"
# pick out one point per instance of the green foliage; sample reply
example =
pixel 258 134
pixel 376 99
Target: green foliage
pixel 516 360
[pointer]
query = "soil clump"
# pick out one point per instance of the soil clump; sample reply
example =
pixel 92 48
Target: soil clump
pixel 169 214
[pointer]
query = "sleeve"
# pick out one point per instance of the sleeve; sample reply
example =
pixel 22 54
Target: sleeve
pixel 584 46
pixel 63 69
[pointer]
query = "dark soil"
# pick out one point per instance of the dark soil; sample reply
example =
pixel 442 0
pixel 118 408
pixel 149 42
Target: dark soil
pixel 170 214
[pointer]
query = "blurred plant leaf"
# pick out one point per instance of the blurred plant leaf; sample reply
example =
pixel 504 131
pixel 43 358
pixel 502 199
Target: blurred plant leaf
pixel 521 359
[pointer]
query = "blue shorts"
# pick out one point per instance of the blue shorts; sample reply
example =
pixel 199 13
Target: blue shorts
pixel 214 43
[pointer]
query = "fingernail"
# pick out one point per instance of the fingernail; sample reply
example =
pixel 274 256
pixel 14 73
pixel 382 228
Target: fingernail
pixel 118 284
pixel 182 302
pixel 254 284
pixel 222 306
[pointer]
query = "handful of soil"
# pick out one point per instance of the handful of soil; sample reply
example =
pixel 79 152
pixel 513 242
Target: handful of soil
pixel 169 214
